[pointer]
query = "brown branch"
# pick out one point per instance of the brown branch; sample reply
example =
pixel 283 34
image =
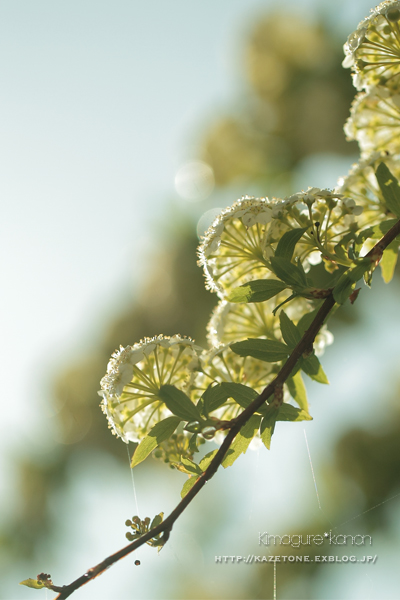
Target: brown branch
pixel 165 527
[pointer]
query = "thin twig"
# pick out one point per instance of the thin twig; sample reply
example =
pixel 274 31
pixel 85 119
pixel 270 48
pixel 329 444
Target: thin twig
pixel 165 527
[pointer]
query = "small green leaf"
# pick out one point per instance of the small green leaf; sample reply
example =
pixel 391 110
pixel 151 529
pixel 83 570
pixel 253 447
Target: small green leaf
pixel 288 272
pixel 193 444
pixel 297 390
pixel 179 404
pixel 287 412
pixel 288 241
pixel 306 321
pixel 358 271
pixel 158 519
pixel 384 227
pixel 266 350
pixel 205 462
pixel 213 398
pixel 390 188
pixel 242 440
pixel 344 286
pixel 187 486
pixel 258 290
pixel 160 432
pixel 313 368
pixel 191 466
pixel 343 289
pixel 242 394
pixel 32 583
pixel 290 333
pixel 389 261
pixel 365 234
pixel 267 427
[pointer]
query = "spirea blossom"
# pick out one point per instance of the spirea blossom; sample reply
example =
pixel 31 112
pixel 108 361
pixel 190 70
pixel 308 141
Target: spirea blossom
pixel 374 122
pixel 373 50
pixel 221 364
pixel 361 184
pixel 135 374
pixel 232 322
pixel 237 247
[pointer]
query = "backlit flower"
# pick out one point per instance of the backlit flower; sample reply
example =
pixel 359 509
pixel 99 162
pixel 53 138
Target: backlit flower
pixel 232 322
pixel 221 364
pixel 135 374
pixel 237 247
pixel 362 186
pixel 235 250
pixel 374 122
pixel 373 50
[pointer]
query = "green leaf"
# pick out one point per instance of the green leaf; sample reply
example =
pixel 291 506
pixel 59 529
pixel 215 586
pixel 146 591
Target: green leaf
pixel 313 368
pixel 389 261
pixel 266 350
pixel 193 444
pixel 390 188
pixel 32 583
pixel 341 253
pixel 267 427
pixel 306 321
pixel 242 440
pixel 187 486
pixel 158 519
pixel 358 271
pixel 297 390
pixel 385 226
pixel 290 333
pixel 365 234
pixel 343 288
pixel 160 432
pixel 287 412
pixel 288 272
pixel 213 398
pixel 288 241
pixel 179 404
pixel 191 466
pixel 205 462
pixel 258 290
pixel 242 394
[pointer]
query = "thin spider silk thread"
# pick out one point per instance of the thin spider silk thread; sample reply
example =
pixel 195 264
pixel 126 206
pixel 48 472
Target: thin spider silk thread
pixel 312 470
pixel 133 482
pixel 315 481
pixel 367 511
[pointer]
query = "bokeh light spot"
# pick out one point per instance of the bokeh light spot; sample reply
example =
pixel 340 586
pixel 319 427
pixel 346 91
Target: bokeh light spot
pixel 206 220
pixel 194 181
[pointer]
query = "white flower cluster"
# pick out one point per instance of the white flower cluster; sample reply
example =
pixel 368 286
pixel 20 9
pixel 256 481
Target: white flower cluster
pixel 373 53
pixel 135 374
pixel 237 247
pixel 373 49
pixel 361 184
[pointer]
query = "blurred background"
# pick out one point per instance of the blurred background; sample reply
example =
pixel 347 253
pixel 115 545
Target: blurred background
pixel 126 127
